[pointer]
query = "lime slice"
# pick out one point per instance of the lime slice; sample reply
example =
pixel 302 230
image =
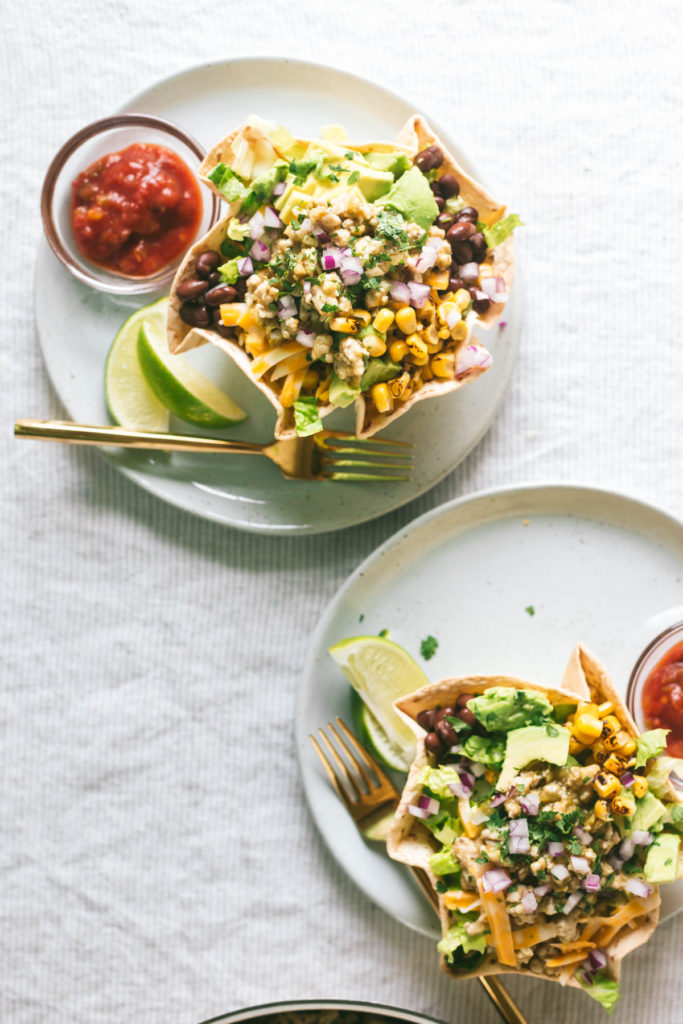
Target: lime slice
pixel 179 385
pixel 380 672
pixel 130 400
pixel 374 738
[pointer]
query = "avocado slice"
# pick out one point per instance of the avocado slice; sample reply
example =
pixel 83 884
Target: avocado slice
pixel 412 197
pixel 377 371
pixel 372 181
pixel 342 393
pixel 502 708
pixel 396 163
pixel 649 810
pixel 549 743
pixel 661 864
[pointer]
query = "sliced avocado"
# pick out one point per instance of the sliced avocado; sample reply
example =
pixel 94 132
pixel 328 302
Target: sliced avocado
pixel 661 864
pixel 413 198
pixel 549 743
pixel 296 197
pixel 377 371
pixel 262 187
pixel 372 181
pixel 561 712
pixel 342 393
pixel 649 810
pixel 502 708
pixel 396 163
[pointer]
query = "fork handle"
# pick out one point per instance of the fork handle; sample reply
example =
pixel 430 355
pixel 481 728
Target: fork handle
pixel 497 993
pixel 81 433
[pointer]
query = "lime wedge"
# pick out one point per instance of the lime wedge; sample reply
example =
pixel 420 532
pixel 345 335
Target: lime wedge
pixel 375 739
pixel 380 672
pixel 179 385
pixel 130 400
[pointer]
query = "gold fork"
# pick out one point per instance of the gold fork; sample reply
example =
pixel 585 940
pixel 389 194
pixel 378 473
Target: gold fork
pixel 369 796
pixel 327 455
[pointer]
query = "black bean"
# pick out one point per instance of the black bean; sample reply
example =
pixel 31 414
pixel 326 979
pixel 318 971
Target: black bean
pixel 434 185
pixel 216 315
pixel 225 332
pixel 241 287
pixel 191 288
pixel 449 185
pixel 456 283
pixel 461 231
pixel 429 159
pixel 213 278
pixel 433 743
pixel 425 719
pixel 478 243
pixel 462 252
pixel 480 300
pixel 463 699
pixel 221 293
pixel 444 220
pixel 440 203
pixel 468 213
pixel 195 316
pixel 465 715
pixel 207 262
pixel 446 733
pixel 443 713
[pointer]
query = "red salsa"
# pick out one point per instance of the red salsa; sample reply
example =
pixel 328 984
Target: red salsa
pixel 135 211
pixel 663 698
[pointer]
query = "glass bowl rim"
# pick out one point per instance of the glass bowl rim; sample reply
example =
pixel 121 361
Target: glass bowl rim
pixel 632 687
pixel 122 285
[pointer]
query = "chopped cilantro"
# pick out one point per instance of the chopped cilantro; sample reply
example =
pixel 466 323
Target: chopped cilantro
pixel 483 858
pixel 392 225
pixel 332 177
pixel 552 730
pixel 349 155
pixel 361 617
pixel 428 647
pixel 575 847
pixel 530 610
pixel 353 177
pixel 329 307
pixel 383 633
pixel 441 887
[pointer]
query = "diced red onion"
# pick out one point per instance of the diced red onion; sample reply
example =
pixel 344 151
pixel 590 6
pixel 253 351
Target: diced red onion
pixel 321 236
pixel 641 838
pixel 260 251
pixel 305 225
pixel 454 317
pixel 530 803
pixel 306 287
pixel 585 837
pixel 478 769
pixel 519 836
pixel 502 324
pixel 469 272
pixel 615 862
pixel 637 887
pixel 400 291
pixel 245 266
pixel 417 812
pixel 428 803
pixel 627 849
pixel 499 799
pixel 478 816
pixel 580 865
pixel 286 307
pixel 256 225
pixel 351 270
pixel 541 890
pixel 459 790
pixel 555 849
pixel 494 287
pixel 426 259
pixel 495 880
pixel 271 219
pixel 591 883
pixel 279 188
pixel 571 902
pixel 597 959
pixel 627 779
pixel 331 258
pixel 306 338
pixel 529 902
pixel 519 827
pixel 471 356
pixel 419 294
pixel 560 872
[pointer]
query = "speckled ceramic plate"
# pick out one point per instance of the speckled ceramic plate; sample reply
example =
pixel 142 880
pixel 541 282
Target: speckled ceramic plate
pixel 76 325
pixel 508 582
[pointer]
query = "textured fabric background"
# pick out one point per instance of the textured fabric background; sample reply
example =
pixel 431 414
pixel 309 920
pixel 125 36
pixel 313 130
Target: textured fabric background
pixel 157 860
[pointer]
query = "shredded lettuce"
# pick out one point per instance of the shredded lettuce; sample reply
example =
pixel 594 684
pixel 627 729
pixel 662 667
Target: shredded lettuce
pixel 604 990
pixel 658 775
pixel 437 780
pixel 443 862
pixel 650 744
pixel 228 183
pixel 456 938
pixel 498 232
pixel 445 827
pixel 488 750
pixel 676 817
pixel 306 416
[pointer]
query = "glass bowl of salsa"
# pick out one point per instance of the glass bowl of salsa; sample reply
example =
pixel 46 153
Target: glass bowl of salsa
pixel 655 689
pixel 121 203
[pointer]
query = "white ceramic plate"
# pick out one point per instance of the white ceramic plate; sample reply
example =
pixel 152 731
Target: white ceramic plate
pixel 594 565
pixel 76 325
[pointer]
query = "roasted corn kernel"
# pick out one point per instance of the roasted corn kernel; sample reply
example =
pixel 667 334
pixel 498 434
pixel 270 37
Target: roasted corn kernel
pixel 462 299
pixel 311 379
pixel 437 279
pixel 615 763
pixel 442 364
pixel 606 784
pixel 445 310
pixel 364 316
pixel 398 350
pixel 628 746
pixel 343 325
pixel 444 333
pixel 640 786
pixel 622 805
pixel 575 746
pixel 605 708
pixel 381 396
pixel 383 320
pixel 426 310
pixel 599 753
pixel 400 386
pixel 406 320
pixel 459 332
pixel 374 346
pixel 610 725
pixel 587 727
pixel 601 809
pixel 621 742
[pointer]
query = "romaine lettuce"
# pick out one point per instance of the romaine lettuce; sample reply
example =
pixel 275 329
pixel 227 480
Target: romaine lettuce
pixel 650 744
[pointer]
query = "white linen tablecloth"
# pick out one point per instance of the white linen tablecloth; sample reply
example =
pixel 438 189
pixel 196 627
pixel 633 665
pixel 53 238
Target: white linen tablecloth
pixel 157 859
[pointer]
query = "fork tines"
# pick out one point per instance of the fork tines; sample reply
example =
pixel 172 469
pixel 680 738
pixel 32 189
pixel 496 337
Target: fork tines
pixel 340 461
pixel 360 774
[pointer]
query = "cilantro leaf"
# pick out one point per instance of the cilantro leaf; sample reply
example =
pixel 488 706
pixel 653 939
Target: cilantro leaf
pixel 306 416
pixel 391 225
pixel 428 647
pixel 530 610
